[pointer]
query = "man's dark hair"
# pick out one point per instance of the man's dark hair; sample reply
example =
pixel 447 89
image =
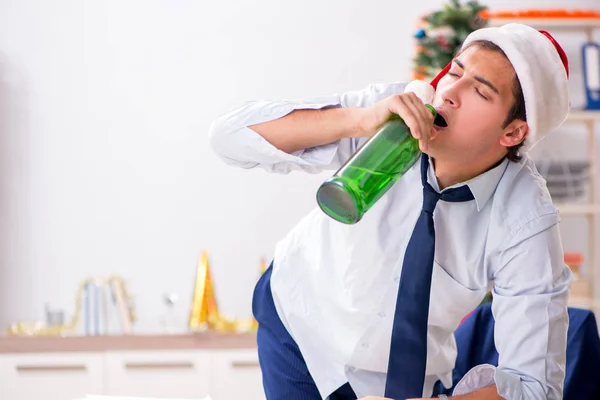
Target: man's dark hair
pixel 517 111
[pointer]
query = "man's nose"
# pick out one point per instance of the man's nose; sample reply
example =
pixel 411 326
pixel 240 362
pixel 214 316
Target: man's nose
pixel 451 97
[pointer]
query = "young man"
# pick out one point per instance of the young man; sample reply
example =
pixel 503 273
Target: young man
pixel 337 318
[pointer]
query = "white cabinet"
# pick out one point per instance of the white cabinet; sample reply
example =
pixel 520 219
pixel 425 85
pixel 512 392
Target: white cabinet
pixel 168 374
pixel 185 374
pixel 51 376
pixel 236 375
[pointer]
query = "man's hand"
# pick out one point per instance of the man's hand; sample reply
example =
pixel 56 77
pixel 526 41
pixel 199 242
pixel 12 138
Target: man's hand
pixel 385 398
pixel 486 393
pixel 380 398
pixel 409 107
pixel 374 398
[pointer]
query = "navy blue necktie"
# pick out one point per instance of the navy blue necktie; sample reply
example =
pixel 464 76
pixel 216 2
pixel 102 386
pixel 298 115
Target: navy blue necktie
pixel 408 352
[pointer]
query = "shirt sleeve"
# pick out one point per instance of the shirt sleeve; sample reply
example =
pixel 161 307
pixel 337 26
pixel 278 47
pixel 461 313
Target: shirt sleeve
pixel 530 295
pixel 240 146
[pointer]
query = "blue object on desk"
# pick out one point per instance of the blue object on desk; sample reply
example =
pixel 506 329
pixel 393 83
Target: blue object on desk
pixel 590 53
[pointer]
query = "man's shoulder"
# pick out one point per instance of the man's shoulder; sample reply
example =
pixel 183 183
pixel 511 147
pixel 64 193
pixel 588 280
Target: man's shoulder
pixel 522 195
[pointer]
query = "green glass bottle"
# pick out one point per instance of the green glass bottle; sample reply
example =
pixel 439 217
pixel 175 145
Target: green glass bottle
pixel 370 172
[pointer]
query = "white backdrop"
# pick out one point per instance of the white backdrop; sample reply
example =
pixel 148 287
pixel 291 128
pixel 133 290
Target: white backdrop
pixel 104 109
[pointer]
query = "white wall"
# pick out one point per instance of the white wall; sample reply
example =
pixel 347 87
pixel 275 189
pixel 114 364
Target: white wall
pixel 104 110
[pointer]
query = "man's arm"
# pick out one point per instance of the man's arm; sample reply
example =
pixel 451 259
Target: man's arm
pixel 312 135
pixel 531 284
pixel 303 129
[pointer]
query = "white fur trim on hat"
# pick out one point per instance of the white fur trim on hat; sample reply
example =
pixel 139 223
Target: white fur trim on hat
pixel 540 71
pixel 424 91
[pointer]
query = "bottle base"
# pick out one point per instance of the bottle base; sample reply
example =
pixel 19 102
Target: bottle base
pixel 339 202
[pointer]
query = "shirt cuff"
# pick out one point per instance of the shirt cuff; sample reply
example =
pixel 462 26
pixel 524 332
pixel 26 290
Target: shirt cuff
pixel 478 377
pixel 508 386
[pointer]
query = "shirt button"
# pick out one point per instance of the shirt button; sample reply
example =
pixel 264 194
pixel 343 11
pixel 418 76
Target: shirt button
pixel 350 369
pixel 381 315
pixel 397 279
pixel 365 345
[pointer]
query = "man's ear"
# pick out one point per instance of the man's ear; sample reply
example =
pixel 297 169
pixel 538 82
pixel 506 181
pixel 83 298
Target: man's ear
pixel 514 133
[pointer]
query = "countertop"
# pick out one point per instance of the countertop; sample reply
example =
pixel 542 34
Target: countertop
pixel 204 340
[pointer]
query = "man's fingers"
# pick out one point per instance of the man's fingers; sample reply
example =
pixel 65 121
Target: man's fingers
pixel 424 112
pixel 402 108
pixel 417 117
pixel 414 109
pixel 419 112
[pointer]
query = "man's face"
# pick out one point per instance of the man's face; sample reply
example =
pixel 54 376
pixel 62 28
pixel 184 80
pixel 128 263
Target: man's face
pixel 475 97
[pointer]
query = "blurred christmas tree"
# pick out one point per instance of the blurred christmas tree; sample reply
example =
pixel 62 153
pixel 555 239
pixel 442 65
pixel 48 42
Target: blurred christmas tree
pixel 442 33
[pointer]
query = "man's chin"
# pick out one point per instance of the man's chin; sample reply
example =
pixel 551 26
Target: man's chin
pixel 440 153
pixel 432 150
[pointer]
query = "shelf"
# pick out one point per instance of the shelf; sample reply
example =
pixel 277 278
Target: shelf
pixel 578 209
pixel 556 23
pixel 583 115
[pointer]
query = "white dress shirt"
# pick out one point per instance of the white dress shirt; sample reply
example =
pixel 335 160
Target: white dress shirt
pixel 335 285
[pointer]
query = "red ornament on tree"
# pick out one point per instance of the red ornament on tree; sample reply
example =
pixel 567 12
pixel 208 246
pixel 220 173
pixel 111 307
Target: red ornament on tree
pixel 441 40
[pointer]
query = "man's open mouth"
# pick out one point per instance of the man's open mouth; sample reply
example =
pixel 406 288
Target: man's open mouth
pixel 440 121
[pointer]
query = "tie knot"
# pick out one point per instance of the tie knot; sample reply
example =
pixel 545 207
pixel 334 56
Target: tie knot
pixel 455 195
pixel 430 198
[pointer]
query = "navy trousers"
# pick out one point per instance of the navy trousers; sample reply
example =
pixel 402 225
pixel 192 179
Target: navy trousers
pixel 286 377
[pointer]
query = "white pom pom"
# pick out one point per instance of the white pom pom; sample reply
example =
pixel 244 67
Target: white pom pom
pixel 422 89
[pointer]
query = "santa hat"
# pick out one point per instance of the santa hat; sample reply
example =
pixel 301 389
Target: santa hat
pixel 542 68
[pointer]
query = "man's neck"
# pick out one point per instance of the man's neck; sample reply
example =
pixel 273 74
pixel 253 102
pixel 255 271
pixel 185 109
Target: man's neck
pixel 448 174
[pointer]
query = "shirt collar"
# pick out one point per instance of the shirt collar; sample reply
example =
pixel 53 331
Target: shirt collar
pixel 482 186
